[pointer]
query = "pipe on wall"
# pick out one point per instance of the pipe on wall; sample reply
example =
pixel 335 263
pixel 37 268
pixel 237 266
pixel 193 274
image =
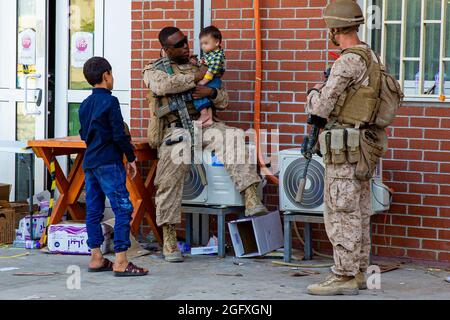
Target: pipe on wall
pixel 258 88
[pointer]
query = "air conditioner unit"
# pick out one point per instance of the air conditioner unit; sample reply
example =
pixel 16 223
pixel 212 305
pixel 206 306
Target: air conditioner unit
pixel 292 164
pixel 220 190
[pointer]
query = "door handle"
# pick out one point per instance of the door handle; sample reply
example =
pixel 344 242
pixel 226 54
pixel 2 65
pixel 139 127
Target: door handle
pixel 27 110
pixel 39 98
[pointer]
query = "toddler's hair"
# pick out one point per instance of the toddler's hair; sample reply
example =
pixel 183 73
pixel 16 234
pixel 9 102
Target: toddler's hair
pixel 213 32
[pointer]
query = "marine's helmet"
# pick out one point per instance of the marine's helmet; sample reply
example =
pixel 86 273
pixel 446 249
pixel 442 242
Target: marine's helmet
pixel 343 14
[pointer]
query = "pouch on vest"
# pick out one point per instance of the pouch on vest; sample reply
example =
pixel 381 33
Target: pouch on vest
pixel 338 146
pixel 353 150
pixel 373 144
pixel 325 143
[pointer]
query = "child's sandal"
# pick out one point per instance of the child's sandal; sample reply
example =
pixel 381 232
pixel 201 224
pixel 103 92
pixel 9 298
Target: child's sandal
pixel 131 271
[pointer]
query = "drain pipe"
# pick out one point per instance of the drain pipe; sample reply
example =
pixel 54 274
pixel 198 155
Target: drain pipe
pixel 258 87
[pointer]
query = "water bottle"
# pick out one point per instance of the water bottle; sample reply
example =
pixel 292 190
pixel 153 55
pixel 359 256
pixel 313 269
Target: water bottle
pixel 27 244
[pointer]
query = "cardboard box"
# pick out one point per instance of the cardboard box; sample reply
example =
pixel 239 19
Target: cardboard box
pixel 39 226
pixel 5 191
pixel 256 236
pixel 7 225
pixel 71 238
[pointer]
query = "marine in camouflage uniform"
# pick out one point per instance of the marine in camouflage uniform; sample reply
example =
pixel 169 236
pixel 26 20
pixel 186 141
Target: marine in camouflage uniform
pixel 174 160
pixel 347 200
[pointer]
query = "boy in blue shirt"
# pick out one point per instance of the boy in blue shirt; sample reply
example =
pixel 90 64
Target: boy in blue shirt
pixel 103 130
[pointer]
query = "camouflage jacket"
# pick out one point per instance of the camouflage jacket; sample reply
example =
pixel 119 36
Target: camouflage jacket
pixel 162 84
pixel 346 71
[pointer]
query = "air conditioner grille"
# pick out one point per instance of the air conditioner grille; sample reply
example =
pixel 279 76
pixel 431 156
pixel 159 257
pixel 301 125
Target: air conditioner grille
pixel 313 195
pixel 193 187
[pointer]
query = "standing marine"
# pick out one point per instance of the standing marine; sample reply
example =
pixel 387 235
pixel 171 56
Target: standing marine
pixel 353 107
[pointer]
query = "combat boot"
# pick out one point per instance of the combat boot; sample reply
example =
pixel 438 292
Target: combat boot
pixel 253 205
pixel 361 280
pixel 171 252
pixel 335 285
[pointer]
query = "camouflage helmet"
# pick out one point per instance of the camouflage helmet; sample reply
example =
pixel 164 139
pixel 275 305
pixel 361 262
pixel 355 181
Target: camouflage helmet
pixel 343 14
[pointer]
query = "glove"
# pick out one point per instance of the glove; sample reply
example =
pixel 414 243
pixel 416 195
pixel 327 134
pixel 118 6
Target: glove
pixel 317 121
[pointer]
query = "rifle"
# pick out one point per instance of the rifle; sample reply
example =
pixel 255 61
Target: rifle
pixel 309 148
pixel 178 103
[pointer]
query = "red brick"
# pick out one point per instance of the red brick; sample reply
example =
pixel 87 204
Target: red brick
pixel 421 254
pixel 422 211
pixel 423 166
pixel 437 201
pixel 422 233
pixel 390 252
pixel 424 188
pixel 436 245
pixel 437 112
pixel 444 234
pixel 444 256
pixel 436 134
pixel 425 122
pixel 408 133
pixel 423 144
pixel 405 242
pixel 437 178
pixel 406 220
pixel 411 111
pixel 436 223
pixel 408 154
pixel 408 176
pixel 395 165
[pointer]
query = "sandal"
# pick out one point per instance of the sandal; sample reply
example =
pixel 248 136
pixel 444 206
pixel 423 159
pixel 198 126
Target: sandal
pixel 131 271
pixel 106 267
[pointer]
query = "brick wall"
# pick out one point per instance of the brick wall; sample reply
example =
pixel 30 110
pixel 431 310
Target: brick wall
pixel 294 42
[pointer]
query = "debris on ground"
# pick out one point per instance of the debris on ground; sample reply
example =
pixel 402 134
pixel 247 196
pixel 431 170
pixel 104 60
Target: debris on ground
pixel 388 267
pixel 286 264
pixel 230 274
pixel 36 274
pixel 304 273
pixel 238 263
pixel 448 279
pixel 8 269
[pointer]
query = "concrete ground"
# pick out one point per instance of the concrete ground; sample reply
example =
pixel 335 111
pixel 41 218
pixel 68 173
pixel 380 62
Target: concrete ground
pixel 200 277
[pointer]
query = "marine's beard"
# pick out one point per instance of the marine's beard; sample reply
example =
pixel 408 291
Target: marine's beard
pixel 180 60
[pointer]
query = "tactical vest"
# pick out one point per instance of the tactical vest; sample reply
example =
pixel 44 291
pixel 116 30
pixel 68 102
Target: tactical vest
pixel 375 104
pixel 157 126
pixel 357 106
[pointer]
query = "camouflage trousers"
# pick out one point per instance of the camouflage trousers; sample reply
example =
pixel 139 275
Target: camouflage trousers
pixel 174 160
pixel 347 219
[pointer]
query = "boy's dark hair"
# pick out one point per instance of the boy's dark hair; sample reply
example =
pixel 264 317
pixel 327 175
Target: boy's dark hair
pixel 213 32
pixel 165 33
pixel 94 69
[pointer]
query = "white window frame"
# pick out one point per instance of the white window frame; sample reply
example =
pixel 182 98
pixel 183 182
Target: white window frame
pixel 366 36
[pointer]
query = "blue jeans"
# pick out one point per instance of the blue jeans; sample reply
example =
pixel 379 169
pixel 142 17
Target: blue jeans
pixel 108 181
pixel 205 103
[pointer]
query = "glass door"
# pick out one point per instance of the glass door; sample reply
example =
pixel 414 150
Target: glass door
pixel 86 28
pixel 23 86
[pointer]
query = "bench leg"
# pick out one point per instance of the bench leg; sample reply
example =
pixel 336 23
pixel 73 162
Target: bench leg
pixel 189 229
pixel 287 240
pixel 221 233
pixel 308 242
